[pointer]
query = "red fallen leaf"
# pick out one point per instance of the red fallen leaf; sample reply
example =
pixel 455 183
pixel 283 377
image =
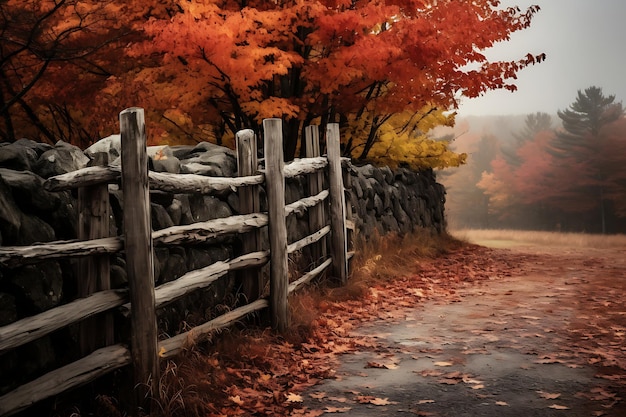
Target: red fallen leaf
pixel 317 395
pixel 558 407
pixel 382 401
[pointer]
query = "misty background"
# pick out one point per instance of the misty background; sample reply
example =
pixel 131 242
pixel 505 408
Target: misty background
pixel 524 169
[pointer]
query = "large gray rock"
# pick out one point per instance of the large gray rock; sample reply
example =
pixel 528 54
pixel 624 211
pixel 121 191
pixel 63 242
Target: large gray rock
pixel 17 157
pixel 34 230
pixel 10 215
pixel 162 159
pixel 61 159
pixel 28 191
pixel 218 162
pixel 160 217
pixel 205 208
pixel 8 309
pixel 41 285
pixel 174 267
pixel 111 145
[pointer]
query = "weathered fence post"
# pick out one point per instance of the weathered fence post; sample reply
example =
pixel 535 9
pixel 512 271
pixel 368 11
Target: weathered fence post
pixel 138 247
pixel 275 188
pixel 337 204
pixel 249 202
pixel 316 184
pixel 93 271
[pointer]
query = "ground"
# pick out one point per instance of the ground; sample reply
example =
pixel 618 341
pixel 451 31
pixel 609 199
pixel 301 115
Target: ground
pixel 522 331
pixel 431 328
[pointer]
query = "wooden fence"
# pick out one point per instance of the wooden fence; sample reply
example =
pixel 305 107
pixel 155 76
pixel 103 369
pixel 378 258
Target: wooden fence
pixel 140 301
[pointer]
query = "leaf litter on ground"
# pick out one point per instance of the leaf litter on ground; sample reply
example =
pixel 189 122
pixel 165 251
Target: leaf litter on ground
pixel 257 372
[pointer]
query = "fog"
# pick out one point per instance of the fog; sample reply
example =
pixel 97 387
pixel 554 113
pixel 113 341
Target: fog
pixel 583 41
pixel 514 180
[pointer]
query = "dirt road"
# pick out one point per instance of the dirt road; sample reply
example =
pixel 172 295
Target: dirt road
pixel 547 340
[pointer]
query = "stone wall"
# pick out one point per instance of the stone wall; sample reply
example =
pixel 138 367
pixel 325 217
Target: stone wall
pixel 382 201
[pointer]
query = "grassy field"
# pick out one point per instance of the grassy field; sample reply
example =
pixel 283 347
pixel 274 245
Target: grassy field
pixel 508 238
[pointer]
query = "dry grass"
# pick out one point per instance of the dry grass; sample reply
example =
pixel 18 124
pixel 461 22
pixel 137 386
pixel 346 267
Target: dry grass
pixel 208 375
pixel 377 260
pixel 502 238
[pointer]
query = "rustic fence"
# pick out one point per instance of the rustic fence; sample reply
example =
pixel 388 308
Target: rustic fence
pixel 141 300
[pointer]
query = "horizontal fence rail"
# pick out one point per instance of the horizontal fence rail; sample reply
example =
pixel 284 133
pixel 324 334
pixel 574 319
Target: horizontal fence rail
pixel 327 239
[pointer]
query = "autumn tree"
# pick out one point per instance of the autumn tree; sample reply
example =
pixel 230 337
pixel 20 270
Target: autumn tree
pixel 582 142
pixel 533 124
pixel 467 203
pixel 227 65
pixel 50 56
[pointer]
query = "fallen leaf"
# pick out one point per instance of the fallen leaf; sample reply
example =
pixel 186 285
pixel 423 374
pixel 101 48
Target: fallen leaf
pixel 294 398
pixel 443 364
pixel 429 372
pixel 548 395
pixel 337 409
pixel 236 399
pixel 478 386
pixel 381 401
pixel 502 403
pixel 420 402
pixel 558 407
pixel 317 395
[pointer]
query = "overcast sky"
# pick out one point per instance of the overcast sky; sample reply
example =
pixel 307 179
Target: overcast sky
pixel 585 44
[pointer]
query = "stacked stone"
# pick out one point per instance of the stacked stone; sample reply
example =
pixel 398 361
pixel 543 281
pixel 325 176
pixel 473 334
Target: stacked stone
pixel 382 200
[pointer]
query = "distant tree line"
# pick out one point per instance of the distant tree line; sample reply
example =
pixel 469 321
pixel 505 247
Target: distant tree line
pixel 566 178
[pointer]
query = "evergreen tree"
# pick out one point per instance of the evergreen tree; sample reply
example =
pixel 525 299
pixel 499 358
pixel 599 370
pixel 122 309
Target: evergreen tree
pixel 581 144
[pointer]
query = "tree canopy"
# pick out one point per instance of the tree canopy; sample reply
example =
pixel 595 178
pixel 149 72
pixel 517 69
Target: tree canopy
pixel 205 69
pixel 569 177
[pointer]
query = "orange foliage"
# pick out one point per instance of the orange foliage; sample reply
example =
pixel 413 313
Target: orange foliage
pixel 227 65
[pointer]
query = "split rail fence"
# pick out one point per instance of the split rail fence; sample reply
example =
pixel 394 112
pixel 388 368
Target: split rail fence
pixel 327 222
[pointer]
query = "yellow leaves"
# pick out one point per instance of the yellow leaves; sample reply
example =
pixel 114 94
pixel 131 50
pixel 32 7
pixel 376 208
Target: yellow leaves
pixel 403 139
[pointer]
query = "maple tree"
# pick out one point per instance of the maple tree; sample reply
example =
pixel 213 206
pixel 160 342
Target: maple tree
pixel 50 54
pixel 205 69
pixel 227 65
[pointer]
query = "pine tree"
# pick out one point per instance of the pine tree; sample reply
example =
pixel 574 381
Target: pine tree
pixel 581 143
